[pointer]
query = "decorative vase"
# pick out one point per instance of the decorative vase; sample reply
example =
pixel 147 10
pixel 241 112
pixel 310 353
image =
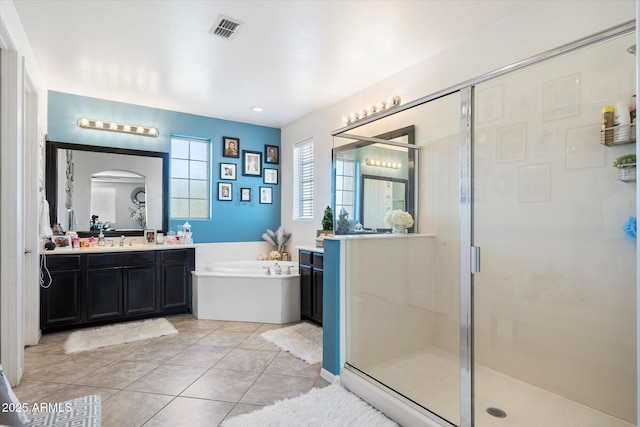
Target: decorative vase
pixel 398 229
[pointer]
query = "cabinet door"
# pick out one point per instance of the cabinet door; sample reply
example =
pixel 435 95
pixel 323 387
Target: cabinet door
pixel 60 303
pixel 317 295
pixel 175 289
pixel 104 293
pixel 140 290
pixel 306 294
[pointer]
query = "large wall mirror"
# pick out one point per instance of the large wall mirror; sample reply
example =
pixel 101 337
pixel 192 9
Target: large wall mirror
pixel 120 191
pixel 372 176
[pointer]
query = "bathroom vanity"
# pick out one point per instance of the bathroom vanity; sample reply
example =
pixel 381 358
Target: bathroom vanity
pixel 311 283
pixel 94 286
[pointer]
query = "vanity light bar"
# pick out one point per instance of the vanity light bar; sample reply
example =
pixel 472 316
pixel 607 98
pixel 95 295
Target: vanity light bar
pixel 117 127
pixel 372 109
pixel 383 164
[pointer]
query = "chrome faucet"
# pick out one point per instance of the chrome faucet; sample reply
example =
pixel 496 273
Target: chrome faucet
pixel 288 269
pixel 277 269
pixel 122 240
pixel 268 270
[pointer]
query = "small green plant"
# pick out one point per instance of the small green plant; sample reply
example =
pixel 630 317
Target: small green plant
pixel 327 219
pixel 628 160
pixel 343 222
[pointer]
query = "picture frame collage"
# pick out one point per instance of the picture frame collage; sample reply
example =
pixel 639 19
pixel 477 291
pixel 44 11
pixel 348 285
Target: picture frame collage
pixel 252 164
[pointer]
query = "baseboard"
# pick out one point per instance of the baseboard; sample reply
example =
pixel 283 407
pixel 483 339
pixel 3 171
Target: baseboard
pixel 328 376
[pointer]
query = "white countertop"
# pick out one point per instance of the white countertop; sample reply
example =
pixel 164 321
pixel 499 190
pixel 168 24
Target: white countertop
pixel 116 248
pixel 310 248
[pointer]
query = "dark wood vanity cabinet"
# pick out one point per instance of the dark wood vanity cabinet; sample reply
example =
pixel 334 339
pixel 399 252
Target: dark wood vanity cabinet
pixel 311 266
pixel 98 288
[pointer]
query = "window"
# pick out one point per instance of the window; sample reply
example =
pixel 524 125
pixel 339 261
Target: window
pixel 345 186
pixel 190 174
pixel 103 203
pixel 303 180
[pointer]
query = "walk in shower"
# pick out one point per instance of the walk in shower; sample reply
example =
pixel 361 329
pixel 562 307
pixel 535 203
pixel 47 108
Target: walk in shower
pixel 514 300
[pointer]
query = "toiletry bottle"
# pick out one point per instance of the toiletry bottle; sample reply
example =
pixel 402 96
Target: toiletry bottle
pixel 607 124
pixel 632 117
pixel 101 241
pixel 621 122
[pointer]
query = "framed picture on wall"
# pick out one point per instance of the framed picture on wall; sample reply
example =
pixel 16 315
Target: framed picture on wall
pixel 272 154
pixel 228 171
pixel 266 195
pixel 251 163
pixel 230 147
pixel 224 191
pixel 245 194
pixel 270 176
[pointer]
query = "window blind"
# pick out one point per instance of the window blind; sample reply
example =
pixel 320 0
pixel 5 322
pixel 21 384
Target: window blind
pixel 303 180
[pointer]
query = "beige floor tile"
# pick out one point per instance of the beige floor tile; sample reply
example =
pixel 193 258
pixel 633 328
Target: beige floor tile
pixel 240 326
pixel 131 408
pixel 286 364
pixel 256 342
pixel 199 355
pixel 114 352
pixel 184 411
pixel 270 388
pixel 157 351
pixel 224 338
pixel 241 359
pixel 69 392
pixel 190 322
pixel 68 370
pixel 119 376
pixel 32 391
pixel 221 384
pixel 242 408
pixel 167 379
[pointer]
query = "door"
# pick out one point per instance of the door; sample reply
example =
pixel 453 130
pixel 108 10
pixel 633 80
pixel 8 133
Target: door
pixel 554 303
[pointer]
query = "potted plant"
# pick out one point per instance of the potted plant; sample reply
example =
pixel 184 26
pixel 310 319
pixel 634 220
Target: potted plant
pixel 626 165
pixel 343 222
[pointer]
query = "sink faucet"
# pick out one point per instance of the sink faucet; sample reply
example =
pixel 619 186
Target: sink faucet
pixel 122 240
pixel 277 269
pixel 268 270
pixel 131 242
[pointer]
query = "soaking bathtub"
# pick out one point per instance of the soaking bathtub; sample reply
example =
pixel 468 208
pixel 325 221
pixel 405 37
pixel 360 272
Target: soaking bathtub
pixel 243 291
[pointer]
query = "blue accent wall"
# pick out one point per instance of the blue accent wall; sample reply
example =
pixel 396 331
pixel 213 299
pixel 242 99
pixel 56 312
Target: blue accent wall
pixel 231 221
pixel 331 307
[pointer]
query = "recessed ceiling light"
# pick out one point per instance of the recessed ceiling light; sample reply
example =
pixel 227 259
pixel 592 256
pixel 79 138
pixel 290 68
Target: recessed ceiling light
pixel 257 109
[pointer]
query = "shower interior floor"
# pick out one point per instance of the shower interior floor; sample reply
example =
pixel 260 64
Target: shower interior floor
pixel 431 379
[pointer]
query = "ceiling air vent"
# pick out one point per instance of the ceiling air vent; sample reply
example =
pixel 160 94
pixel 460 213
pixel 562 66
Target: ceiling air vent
pixel 225 27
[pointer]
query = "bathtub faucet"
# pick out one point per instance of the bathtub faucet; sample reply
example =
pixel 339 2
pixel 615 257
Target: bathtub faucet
pixel 268 270
pixel 277 269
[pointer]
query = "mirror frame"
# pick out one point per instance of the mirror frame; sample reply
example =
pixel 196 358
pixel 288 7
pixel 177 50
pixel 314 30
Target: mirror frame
pixel 51 180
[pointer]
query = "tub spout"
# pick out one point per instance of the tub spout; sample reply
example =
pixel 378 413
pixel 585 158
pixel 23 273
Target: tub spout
pixel 289 270
pixel 277 269
pixel 268 270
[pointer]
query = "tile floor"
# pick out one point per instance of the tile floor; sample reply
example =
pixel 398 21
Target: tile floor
pixel 211 370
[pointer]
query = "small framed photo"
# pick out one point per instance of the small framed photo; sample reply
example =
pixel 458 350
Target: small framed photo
pixel 228 171
pixel 272 154
pixel 251 163
pixel 270 176
pixel 224 191
pixel 245 194
pixel 230 147
pixel 266 195
pixel 62 241
pixel 149 237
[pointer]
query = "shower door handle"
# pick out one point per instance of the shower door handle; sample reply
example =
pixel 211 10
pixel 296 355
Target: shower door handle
pixel 475 259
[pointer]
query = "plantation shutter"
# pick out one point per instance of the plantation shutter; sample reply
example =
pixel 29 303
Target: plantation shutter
pixel 303 178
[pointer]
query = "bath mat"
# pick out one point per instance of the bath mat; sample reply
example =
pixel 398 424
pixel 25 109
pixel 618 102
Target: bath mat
pixel 332 406
pixel 303 340
pixel 121 333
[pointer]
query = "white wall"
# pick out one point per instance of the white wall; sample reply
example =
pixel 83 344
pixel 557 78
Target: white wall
pixel 544 26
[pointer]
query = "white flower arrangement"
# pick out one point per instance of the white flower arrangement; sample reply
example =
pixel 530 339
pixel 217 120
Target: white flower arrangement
pixel 398 218
pixel 138 213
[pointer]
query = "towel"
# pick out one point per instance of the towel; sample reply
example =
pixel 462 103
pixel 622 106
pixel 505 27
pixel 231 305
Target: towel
pixel 45 221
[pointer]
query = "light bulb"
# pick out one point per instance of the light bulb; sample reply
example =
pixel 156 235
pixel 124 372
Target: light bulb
pixel 98 124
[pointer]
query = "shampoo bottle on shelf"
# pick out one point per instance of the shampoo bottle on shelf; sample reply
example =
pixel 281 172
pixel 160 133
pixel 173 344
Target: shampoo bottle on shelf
pixel 621 122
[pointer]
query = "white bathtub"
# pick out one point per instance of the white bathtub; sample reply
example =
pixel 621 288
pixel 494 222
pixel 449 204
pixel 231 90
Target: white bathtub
pixel 242 291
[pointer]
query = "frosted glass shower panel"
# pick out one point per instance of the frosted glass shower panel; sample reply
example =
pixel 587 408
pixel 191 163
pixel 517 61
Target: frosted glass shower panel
pixel 554 303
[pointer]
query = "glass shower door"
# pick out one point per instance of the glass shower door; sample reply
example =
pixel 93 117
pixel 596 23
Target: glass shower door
pixel 555 299
pixel 402 296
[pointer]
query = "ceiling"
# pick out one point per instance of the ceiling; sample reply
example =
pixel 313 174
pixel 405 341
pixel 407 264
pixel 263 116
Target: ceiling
pixel 289 57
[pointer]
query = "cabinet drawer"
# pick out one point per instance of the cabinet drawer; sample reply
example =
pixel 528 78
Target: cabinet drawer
pixel 121 259
pixel 306 257
pixel 62 262
pixel 175 255
pixel 318 260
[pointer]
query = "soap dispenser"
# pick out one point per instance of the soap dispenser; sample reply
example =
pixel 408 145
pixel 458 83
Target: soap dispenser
pixel 101 241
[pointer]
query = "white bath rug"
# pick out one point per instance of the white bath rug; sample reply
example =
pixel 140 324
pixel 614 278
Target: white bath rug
pixel 303 340
pixel 331 406
pixel 121 333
